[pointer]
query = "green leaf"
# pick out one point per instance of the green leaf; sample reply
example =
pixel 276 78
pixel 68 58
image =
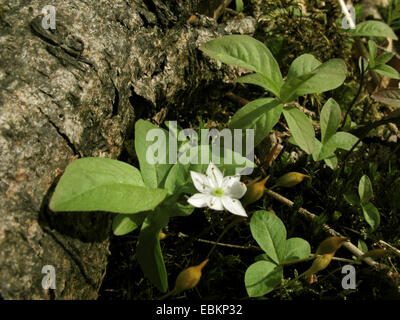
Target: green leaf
pixel 296 249
pixel 125 223
pixel 384 58
pixel 263 256
pixel 262 277
pixel 148 251
pixel 390 97
pixel 256 79
pixel 372 53
pixel 100 184
pixel 239 5
pixel 325 77
pixel 249 53
pixel 371 215
pixel 362 246
pixel 387 71
pixel 292 88
pixel 331 162
pixel 270 233
pixel 342 140
pixel 330 119
pixel 351 198
pixel 178 176
pixel 225 159
pixel 301 128
pixel 365 189
pixel 302 65
pixel 323 151
pixel 372 28
pixel 260 115
pixel 154 165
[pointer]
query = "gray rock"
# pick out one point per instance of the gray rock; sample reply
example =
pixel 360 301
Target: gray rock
pixel 76 91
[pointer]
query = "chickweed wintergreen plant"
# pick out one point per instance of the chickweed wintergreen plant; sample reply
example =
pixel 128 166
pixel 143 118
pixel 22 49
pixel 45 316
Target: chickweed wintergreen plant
pixel 148 198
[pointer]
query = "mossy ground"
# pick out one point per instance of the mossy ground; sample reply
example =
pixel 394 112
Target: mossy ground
pixel 322 194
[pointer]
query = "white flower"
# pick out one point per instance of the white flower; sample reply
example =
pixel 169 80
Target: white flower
pixel 218 192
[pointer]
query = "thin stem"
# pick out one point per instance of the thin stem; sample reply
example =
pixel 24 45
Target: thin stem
pixel 221 244
pixel 348 245
pixel 227 228
pixel 356 96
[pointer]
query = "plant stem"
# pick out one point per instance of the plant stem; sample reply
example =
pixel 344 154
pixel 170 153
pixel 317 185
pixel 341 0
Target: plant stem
pixel 222 244
pixel 348 245
pixel 356 96
pixel 227 228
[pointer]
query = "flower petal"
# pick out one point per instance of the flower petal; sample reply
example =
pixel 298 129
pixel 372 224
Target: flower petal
pixel 199 200
pixel 233 187
pixel 215 203
pixel 234 206
pixel 214 175
pixel 201 182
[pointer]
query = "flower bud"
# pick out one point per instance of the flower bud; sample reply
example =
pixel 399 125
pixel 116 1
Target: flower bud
pixel 162 235
pixel 330 245
pixel 255 190
pixel 319 263
pixel 290 179
pixel 375 253
pixel 326 250
pixel 189 277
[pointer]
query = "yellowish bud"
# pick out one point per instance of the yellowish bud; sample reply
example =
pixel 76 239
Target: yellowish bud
pixel 330 245
pixel 189 277
pixel 162 235
pixel 290 179
pixel 255 190
pixel 319 263
pixel 326 250
pixel 375 254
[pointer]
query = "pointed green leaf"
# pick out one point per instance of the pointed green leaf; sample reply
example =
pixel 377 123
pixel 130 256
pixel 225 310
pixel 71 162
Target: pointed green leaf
pixel 302 65
pixel 260 115
pixel 270 233
pixel 322 152
pixel 331 162
pixel 387 71
pixel 262 277
pixel 152 149
pixel 365 189
pixel 330 119
pixel 256 79
pixel 225 159
pixel 177 177
pixel 371 215
pixel 301 128
pixel 100 184
pixel 290 90
pixel 384 58
pixel 125 223
pixel 351 198
pixel 327 76
pixel 372 53
pixel 148 251
pixel 372 28
pixel 342 140
pixel 239 5
pixel 362 246
pixel 249 53
pixel 317 156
